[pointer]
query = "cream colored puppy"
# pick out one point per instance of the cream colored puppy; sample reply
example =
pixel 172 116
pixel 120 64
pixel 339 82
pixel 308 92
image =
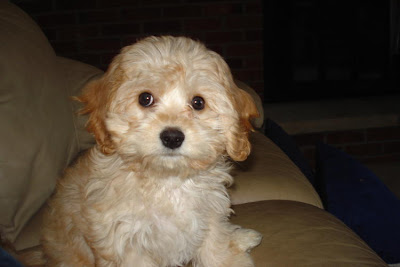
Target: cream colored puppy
pixel 166 115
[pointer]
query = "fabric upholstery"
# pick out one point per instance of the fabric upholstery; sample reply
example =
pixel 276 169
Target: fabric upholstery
pixel 37 136
pixel 298 234
pixel 361 200
pixel 77 76
pixel 269 174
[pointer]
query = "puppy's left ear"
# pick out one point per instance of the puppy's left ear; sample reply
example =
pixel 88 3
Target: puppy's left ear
pixel 238 144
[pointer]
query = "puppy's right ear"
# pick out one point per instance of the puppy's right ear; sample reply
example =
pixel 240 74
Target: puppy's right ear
pixel 96 98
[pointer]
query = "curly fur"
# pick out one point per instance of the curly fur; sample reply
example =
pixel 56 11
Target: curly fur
pixel 130 201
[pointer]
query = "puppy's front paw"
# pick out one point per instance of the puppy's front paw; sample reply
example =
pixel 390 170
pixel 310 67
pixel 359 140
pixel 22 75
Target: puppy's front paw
pixel 247 239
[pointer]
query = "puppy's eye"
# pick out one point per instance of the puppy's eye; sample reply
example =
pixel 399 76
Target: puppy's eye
pixel 198 103
pixel 146 99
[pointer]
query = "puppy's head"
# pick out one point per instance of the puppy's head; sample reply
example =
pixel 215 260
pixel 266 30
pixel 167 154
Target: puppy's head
pixel 169 103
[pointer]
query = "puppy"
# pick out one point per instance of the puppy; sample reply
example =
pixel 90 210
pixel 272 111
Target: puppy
pixel 152 192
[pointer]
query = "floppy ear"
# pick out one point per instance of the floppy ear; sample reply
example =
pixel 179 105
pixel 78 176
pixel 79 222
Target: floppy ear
pixel 238 144
pixel 95 97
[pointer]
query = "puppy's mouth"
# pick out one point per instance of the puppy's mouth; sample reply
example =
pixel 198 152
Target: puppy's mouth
pixel 171 154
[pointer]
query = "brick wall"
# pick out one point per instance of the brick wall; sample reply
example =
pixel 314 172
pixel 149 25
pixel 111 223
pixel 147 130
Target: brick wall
pixel 366 145
pixel 93 31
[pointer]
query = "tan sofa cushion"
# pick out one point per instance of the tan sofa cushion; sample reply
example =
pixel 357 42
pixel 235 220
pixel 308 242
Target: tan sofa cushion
pixel 298 234
pixel 37 136
pixel 269 174
pixel 77 75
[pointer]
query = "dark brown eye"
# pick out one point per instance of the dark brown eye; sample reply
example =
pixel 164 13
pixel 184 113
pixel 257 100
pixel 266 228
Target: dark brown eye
pixel 146 99
pixel 198 103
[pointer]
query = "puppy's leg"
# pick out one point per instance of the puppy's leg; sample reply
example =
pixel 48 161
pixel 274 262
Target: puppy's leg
pixel 227 245
pixel 67 251
pixel 136 258
pixel 246 239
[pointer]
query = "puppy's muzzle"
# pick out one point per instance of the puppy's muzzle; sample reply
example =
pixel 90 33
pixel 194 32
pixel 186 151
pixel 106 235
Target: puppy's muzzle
pixel 172 138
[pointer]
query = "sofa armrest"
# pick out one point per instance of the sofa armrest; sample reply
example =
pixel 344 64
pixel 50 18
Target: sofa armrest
pixel 298 234
pixel 269 174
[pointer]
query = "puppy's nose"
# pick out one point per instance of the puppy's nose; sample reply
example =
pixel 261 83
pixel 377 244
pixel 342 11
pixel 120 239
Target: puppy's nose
pixel 172 138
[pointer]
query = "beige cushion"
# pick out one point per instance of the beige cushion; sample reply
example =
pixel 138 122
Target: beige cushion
pixel 38 135
pixel 77 75
pixel 269 174
pixel 298 234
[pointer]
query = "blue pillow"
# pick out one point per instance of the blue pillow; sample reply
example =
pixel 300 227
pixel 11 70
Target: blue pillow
pixel 6 260
pixel 286 143
pixel 361 200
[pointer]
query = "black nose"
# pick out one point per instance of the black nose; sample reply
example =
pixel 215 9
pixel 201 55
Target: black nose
pixel 172 138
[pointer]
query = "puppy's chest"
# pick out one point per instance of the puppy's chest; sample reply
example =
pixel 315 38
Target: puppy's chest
pixel 186 207
pixel 167 217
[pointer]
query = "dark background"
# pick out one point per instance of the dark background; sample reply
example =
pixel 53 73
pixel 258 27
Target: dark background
pixel 287 50
pixel 94 31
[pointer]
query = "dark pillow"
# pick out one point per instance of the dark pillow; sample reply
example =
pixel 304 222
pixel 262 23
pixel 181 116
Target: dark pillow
pixel 6 260
pixel 361 200
pixel 286 143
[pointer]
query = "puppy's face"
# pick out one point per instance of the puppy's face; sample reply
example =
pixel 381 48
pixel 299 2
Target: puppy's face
pixel 169 104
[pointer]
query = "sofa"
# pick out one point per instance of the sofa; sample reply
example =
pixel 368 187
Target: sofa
pixel 42 134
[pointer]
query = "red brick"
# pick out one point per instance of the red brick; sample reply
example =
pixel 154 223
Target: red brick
pixel 217 48
pixel 235 63
pixel 91 59
pixel 254 62
pixel 56 19
pixel 120 29
pixel 245 74
pixel 202 24
pixel 183 11
pixel 380 158
pixel 220 9
pixel 245 22
pixel 141 13
pixel 74 4
pixel 106 58
pixel 254 35
pixel 223 37
pixel 365 149
pixel 383 134
pixel 32 7
pixel 308 139
pixel 102 44
pixel 392 147
pixel 254 7
pixel 160 2
pixel 110 15
pixel 345 137
pixel 117 3
pixel 245 49
pixel 77 32
pixel 131 39
pixel 65 48
pixel 163 27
